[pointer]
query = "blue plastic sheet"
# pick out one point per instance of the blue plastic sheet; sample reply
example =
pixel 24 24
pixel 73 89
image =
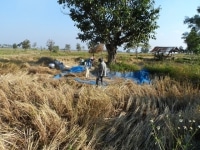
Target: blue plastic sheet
pixel 77 69
pixel 57 76
pixel 140 77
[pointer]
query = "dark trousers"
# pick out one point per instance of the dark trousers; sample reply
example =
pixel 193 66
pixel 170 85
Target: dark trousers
pixel 99 78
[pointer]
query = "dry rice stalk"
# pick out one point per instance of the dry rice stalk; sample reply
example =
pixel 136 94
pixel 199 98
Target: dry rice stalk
pixel 39 112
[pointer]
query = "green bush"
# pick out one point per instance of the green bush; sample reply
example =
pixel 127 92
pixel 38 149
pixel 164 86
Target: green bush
pixel 123 67
pixel 179 72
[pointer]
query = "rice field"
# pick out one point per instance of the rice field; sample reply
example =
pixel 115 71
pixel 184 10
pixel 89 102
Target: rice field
pixel 41 113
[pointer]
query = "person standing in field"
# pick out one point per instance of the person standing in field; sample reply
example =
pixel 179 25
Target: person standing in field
pixel 101 71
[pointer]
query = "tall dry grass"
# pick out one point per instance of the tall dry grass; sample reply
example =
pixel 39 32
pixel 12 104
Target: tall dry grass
pixel 39 112
pixel 162 102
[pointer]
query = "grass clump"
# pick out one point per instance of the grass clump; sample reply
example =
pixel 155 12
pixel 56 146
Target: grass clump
pixel 180 72
pixel 123 67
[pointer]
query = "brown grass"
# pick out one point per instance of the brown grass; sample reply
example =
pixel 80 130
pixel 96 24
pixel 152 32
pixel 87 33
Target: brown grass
pixel 39 112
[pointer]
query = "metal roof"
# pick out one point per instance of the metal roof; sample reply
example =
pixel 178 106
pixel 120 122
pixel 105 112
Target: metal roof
pixel 164 49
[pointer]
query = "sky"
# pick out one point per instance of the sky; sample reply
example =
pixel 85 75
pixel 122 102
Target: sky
pixel 41 20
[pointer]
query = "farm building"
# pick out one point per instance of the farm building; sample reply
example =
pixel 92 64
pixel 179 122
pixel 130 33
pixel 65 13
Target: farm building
pixel 164 52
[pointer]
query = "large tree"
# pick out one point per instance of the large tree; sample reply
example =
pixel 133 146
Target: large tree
pixel 114 22
pixel 50 44
pixel 67 47
pixel 78 47
pixel 14 46
pixel 26 44
pixel 192 39
pixel 194 22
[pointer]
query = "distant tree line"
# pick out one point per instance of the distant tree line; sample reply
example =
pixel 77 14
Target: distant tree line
pixel 26 44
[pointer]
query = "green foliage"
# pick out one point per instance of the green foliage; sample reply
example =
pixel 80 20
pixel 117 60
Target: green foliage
pixel 123 67
pixel 144 50
pixel 114 23
pixel 192 39
pixel 67 46
pixel 193 42
pixel 14 46
pixel 50 44
pixel 190 59
pixel 194 22
pixel 78 47
pixel 55 49
pixel 177 71
pixel 26 44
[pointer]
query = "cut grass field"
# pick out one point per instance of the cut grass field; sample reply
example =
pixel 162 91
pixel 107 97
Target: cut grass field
pixel 41 113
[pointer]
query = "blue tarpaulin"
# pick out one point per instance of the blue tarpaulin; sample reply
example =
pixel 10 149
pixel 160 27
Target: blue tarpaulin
pixel 140 77
pixel 77 69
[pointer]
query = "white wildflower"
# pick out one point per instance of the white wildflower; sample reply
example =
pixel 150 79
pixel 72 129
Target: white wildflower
pixel 185 127
pixel 151 120
pixel 158 127
pixel 180 120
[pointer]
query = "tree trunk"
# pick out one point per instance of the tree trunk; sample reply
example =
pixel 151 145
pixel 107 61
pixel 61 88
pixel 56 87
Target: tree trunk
pixel 136 53
pixel 112 52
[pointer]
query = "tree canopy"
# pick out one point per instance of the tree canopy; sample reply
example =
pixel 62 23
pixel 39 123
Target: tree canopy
pixel 14 46
pixel 26 44
pixel 193 42
pixel 50 44
pixel 67 47
pixel 194 22
pixel 192 39
pixel 114 23
pixel 78 47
